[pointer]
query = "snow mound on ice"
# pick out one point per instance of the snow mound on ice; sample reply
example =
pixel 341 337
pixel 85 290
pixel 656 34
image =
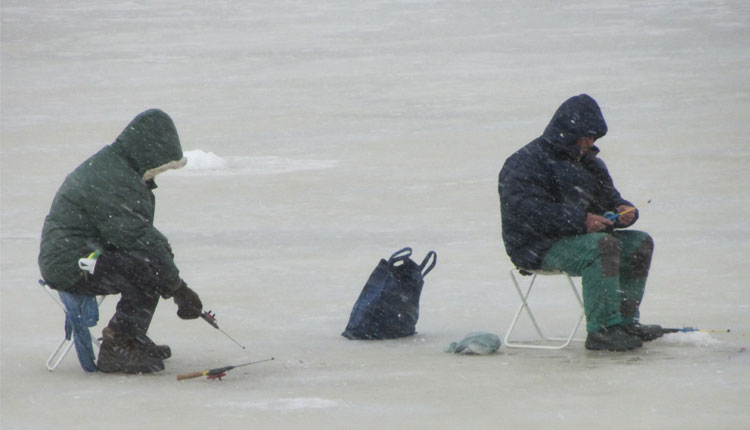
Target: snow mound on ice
pixel 201 160
pixel 208 163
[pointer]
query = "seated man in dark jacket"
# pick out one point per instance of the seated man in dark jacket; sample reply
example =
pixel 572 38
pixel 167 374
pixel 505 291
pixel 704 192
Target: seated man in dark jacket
pixel 561 211
pixel 99 238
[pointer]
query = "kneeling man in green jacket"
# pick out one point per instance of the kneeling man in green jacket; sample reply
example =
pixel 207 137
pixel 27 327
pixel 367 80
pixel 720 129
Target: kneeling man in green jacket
pixel 99 239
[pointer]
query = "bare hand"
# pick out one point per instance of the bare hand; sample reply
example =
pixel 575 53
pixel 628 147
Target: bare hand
pixel 627 214
pixel 596 223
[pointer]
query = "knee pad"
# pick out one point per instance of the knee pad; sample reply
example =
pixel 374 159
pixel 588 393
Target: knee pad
pixel 641 258
pixel 610 249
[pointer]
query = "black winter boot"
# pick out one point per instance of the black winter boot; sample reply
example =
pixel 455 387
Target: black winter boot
pixel 157 351
pixel 612 339
pixel 152 349
pixel 644 332
pixel 629 310
pixel 144 343
pixel 123 354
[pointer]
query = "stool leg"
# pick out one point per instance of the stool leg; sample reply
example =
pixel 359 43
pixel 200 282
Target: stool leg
pixel 58 355
pixel 524 305
pixel 524 295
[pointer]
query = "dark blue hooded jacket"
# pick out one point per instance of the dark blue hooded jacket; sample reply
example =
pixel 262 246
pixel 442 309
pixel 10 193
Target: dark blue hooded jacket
pixel 546 188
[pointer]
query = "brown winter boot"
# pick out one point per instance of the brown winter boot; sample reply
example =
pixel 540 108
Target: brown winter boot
pixel 123 354
pixel 145 343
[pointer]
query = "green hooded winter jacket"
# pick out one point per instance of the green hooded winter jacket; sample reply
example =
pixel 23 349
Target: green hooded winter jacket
pixel 106 203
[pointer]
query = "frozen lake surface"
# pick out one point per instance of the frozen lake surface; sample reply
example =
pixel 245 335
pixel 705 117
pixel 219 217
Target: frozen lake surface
pixel 326 135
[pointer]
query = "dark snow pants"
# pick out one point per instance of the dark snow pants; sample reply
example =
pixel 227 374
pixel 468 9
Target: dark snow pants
pixel 614 267
pixel 136 282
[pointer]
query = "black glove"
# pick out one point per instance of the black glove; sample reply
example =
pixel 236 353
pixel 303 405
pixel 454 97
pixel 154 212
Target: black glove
pixel 189 305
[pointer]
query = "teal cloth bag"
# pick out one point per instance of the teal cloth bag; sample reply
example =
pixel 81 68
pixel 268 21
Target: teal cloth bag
pixel 476 343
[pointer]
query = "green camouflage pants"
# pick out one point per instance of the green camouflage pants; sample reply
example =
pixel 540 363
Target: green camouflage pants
pixel 614 267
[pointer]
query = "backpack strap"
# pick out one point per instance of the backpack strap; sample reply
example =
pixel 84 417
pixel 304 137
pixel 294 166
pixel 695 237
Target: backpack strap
pixel 424 263
pixel 400 255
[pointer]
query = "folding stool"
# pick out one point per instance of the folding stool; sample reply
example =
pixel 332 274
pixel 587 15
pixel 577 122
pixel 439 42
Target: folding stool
pixel 546 342
pixel 65 344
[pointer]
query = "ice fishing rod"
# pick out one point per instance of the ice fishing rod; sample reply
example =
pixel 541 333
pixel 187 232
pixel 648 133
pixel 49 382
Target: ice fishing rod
pixel 612 216
pixel 217 373
pixel 211 319
pixel 692 329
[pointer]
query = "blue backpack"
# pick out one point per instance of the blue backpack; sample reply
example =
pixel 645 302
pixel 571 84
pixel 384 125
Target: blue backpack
pixel 388 306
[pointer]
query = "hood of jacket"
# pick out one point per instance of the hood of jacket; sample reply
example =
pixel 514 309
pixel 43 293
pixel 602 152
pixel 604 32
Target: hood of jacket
pixel 577 117
pixel 150 144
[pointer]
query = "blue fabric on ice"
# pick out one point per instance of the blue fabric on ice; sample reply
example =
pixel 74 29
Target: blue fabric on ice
pixel 476 343
pixel 81 312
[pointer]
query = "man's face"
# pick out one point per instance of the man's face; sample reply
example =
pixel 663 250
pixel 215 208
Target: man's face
pixel 585 143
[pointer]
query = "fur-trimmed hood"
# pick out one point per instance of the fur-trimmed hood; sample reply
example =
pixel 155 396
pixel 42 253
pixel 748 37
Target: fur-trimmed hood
pixel 150 144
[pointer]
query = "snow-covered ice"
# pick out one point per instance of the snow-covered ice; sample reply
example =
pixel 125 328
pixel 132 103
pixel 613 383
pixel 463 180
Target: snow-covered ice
pixel 326 135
